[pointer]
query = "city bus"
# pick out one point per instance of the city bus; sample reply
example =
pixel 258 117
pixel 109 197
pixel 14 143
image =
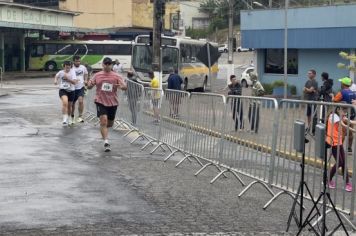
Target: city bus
pixel 49 55
pixel 177 53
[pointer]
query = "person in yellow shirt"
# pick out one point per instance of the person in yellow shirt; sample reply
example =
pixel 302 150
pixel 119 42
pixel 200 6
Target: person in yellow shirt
pixel 156 96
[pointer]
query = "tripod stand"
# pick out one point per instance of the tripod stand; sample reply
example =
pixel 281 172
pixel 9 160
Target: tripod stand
pixel 324 196
pixel 293 213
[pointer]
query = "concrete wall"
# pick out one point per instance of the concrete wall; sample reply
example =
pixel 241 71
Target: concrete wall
pixel 322 60
pixel 100 14
pixel 142 13
pixel 190 10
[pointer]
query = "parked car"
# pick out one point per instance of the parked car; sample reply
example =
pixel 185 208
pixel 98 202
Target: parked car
pixel 245 77
pixel 223 48
pixel 241 49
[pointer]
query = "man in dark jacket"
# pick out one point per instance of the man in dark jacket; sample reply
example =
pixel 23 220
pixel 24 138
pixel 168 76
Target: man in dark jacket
pixel 327 88
pixel 174 83
pixel 235 88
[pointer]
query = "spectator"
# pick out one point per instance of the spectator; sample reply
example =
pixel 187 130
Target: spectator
pixel 254 109
pixel 326 89
pixel 346 95
pixel 118 68
pixel 311 94
pixel 174 83
pixel 156 96
pixel 235 88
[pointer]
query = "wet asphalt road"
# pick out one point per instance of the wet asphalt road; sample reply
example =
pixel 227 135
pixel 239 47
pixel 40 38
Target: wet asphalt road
pixel 58 181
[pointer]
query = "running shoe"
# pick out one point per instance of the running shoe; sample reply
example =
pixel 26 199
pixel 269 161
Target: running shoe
pixel 80 120
pixel 65 123
pixel 348 187
pixel 331 184
pixel 107 147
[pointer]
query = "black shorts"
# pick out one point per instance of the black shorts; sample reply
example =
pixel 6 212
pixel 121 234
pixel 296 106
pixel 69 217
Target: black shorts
pixel 101 110
pixel 69 94
pixel 310 109
pixel 78 93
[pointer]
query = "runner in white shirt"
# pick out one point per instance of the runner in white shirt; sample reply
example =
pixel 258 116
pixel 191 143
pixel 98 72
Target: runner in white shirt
pixel 81 73
pixel 118 67
pixel 66 80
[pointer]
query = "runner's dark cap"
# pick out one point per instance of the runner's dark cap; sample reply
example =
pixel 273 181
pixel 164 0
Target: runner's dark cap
pixel 107 60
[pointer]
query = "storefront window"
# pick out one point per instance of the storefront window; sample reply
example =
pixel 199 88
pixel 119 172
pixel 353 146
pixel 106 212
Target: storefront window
pixel 274 61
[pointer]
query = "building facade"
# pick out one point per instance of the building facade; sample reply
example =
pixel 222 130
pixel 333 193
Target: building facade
pixel 316 36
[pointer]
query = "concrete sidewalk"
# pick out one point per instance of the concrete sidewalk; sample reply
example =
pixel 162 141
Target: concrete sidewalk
pixel 58 181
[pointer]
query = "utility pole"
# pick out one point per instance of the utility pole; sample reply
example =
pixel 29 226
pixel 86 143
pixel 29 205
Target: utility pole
pixel 158 13
pixel 230 40
pixel 286 48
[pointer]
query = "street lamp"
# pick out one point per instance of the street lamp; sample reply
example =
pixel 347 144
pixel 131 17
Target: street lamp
pixel 260 5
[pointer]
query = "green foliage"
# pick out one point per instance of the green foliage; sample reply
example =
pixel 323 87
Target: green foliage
pixel 197 33
pixel 279 83
pixel 268 88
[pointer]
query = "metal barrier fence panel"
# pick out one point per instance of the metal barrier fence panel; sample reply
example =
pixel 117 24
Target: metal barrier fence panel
pixel 250 135
pixel 90 107
pixel 287 162
pixel 130 102
pixel 206 117
pixel 174 119
pixel 150 121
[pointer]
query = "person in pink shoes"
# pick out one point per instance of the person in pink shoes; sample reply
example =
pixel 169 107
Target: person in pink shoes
pixel 335 124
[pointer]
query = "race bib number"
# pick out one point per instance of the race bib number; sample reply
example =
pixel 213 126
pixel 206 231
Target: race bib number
pixel 106 87
pixel 65 85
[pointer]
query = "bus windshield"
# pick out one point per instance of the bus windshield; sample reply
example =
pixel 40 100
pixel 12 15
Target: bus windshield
pixel 142 58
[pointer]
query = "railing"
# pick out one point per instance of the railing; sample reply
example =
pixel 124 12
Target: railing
pixel 243 136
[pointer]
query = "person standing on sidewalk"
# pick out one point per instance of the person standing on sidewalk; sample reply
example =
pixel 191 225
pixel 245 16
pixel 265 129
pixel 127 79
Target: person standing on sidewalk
pixel 346 95
pixel 311 94
pixel 107 83
pixel 118 67
pixel 82 77
pixel 174 83
pixel 254 109
pixel 235 88
pixel 66 80
pixel 156 97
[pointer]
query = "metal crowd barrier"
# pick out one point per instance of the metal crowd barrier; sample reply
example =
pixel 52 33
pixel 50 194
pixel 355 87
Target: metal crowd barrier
pixel 242 135
pixel 250 129
pixel 130 107
pixel 287 162
pixel 174 120
pixel 150 121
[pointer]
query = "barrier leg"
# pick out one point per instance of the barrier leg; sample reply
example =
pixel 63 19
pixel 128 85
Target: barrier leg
pixel 140 136
pixel 148 143
pixel 203 168
pixel 170 155
pixel 230 171
pixel 253 183
pixel 129 132
pixel 276 196
pixel 186 157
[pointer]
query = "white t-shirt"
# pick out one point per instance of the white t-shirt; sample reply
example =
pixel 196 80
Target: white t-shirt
pixel 80 71
pixel 334 118
pixel 353 87
pixel 118 68
pixel 63 84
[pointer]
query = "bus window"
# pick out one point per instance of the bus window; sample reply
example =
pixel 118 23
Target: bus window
pixel 142 58
pixel 65 49
pixel 51 48
pixel 37 51
pixel 169 59
pixel 95 49
pixel 112 49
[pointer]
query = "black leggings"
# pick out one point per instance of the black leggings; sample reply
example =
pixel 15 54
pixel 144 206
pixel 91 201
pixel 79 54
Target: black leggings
pixel 342 162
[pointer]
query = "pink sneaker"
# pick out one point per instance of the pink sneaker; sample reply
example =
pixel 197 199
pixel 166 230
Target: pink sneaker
pixel 348 187
pixel 331 184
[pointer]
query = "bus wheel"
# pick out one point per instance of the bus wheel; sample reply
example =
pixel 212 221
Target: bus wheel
pixel 51 66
